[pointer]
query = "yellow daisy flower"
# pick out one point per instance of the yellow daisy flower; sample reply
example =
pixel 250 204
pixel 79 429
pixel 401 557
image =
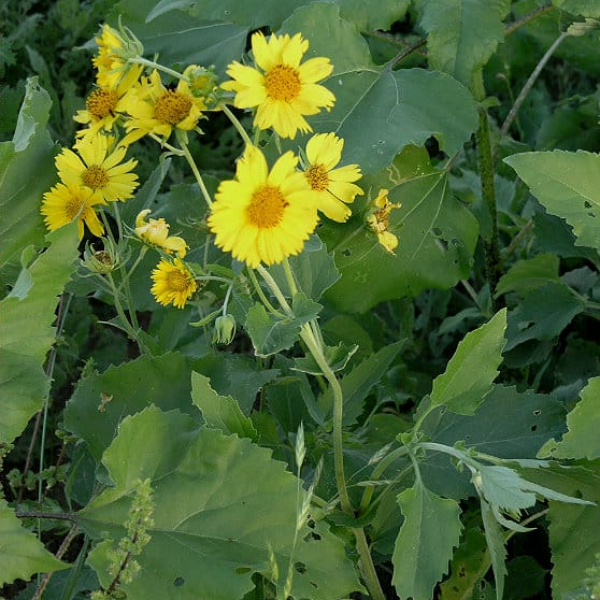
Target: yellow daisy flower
pixel 63 203
pixel 333 187
pixel 114 50
pixel 98 167
pixel 156 233
pixel 173 283
pixel 379 221
pixel 103 107
pixel 155 109
pixel 285 90
pixel 262 215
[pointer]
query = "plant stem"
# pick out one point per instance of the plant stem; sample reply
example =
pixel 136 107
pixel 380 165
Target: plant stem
pixel 154 65
pixel 366 565
pixel 493 264
pixel 194 168
pixel 512 27
pixel 238 126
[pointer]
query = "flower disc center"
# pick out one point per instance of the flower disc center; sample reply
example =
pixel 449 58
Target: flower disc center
pixel 95 177
pixel 283 83
pixel 101 103
pixel 177 281
pixel 267 206
pixel 317 177
pixel 172 107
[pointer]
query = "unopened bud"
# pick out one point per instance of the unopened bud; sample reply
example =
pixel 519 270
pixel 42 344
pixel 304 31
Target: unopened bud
pixel 224 332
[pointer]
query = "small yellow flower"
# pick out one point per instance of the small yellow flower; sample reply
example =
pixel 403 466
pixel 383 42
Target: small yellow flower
pixel 283 90
pixel 98 167
pixel 379 221
pixel 156 233
pixel 103 107
pixel 153 108
pixel 173 283
pixel 333 188
pixel 63 203
pixel 114 50
pixel 263 216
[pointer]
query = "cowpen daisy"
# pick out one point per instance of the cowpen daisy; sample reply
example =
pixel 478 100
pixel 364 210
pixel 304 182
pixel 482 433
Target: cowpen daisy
pixel 263 216
pixel 152 108
pixel 156 233
pixel 65 202
pixel 379 221
pixel 173 284
pixel 98 166
pixel 333 188
pixel 282 89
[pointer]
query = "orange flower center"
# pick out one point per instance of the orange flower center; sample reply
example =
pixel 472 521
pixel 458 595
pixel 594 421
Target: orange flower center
pixel 95 177
pixel 101 103
pixel 73 206
pixel 267 206
pixel 318 177
pixel 172 107
pixel 283 83
pixel 178 281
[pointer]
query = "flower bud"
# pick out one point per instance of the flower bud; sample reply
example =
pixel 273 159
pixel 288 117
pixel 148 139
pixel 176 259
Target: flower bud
pixel 225 328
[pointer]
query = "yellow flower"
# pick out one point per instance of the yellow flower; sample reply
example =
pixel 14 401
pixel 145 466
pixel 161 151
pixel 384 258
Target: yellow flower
pixel 98 167
pixel 155 109
pixel 114 50
pixel 379 221
pixel 332 187
pixel 263 216
pixel 285 90
pixel 63 203
pixel 156 232
pixel 173 283
pixel 103 107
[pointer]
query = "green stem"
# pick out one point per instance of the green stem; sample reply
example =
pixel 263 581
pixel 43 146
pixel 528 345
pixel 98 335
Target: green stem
pixel 493 263
pixel 366 565
pixel 154 65
pixel 261 294
pixel 194 168
pixel 290 277
pixel 238 126
pixel 275 290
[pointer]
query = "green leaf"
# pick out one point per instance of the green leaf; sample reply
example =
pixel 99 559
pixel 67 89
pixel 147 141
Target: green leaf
pixel 314 269
pixel 27 334
pixel 526 275
pixel 437 238
pixel 496 547
pixel 585 8
pixel 430 532
pixel 462 34
pixel 379 113
pixel 26 172
pixel 220 412
pixel 543 314
pixel 568 185
pixel 270 334
pixel 126 390
pixel 470 373
pixel 357 384
pixel 222 503
pixel 582 440
pixel 574 531
pixel 21 553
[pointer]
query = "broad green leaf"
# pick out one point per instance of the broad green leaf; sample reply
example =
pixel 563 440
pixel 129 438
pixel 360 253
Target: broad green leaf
pixel 27 333
pixel 470 373
pixel 357 384
pixel 427 538
pixel 368 15
pixel 437 238
pixel 585 8
pixel 220 412
pixel 221 504
pixel 330 35
pixel 26 172
pixel 543 314
pixel 101 401
pixel 379 113
pixel 462 34
pixel 528 274
pixel 508 424
pixel 568 185
pixel 582 440
pixel 21 553
pixel 270 334
pixel 574 531
pixel 314 269
pixel 496 547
